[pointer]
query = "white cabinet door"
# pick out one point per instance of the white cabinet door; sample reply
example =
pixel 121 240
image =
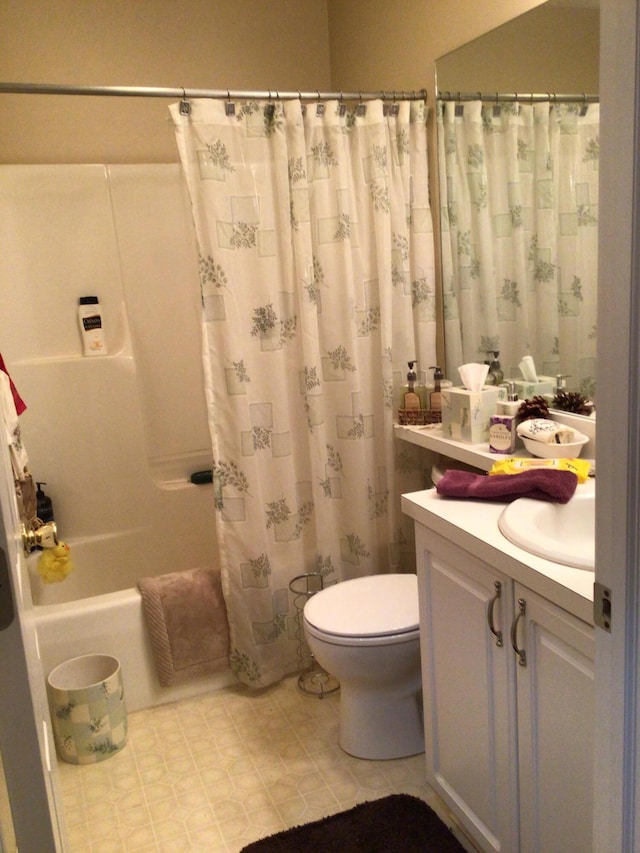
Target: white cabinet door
pixel 556 727
pixel 469 690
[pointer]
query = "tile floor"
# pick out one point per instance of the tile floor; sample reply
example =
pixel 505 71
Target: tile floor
pixel 216 772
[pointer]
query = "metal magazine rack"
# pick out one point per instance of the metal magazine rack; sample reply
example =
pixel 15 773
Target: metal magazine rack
pixel 313 678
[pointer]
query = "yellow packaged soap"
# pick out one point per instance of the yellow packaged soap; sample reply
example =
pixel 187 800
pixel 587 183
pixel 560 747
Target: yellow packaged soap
pixel 515 465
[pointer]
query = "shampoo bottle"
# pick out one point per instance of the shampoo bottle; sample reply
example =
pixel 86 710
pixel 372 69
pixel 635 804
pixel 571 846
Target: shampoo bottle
pixel 91 326
pixel 44 506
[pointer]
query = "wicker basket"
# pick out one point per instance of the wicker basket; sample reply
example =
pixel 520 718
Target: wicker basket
pixel 419 417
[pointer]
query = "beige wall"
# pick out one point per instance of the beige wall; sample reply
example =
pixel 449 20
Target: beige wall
pixel 394 45
pixel 241 44
pixel 549 49
pixel 218 44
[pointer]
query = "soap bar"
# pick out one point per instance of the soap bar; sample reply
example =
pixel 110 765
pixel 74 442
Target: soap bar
pixel 546 431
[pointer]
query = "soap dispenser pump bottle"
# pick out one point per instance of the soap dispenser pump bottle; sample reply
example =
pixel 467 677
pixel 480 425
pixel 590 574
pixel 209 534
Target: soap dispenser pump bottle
pixel 44 505
pixel 435 398
pixel 512 404
pixel 410 399
pixel 495 370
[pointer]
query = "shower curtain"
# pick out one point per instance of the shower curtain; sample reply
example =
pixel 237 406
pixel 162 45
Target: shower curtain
pixel 316 263
pixel 519 217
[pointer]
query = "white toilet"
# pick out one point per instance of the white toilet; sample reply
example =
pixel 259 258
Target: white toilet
pixel 366 632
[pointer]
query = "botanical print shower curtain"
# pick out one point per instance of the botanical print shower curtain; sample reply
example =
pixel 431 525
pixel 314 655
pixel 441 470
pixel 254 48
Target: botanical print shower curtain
pixel 519 214
pixel 316 263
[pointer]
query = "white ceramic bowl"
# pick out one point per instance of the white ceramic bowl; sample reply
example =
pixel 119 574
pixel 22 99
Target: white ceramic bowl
pixel 555 451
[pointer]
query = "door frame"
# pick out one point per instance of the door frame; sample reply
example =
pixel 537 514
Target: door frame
pixel 617 752
pixel 26 740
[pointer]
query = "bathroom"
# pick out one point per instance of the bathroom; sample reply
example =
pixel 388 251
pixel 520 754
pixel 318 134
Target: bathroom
pixel 110 50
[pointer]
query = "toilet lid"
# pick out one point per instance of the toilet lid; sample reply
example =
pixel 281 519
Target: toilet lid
pixel 379 605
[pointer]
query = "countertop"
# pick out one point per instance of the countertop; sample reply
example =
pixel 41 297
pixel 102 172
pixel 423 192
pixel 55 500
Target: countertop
pixel 473 525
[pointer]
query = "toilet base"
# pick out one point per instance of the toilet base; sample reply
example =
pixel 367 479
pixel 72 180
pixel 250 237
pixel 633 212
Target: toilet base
pixel 373 728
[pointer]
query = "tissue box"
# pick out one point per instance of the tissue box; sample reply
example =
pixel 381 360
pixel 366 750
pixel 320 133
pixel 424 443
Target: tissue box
pixel 526 390
pixel 466 414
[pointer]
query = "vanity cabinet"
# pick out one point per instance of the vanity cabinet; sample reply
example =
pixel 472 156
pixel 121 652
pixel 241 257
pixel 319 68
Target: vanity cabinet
pixel 509 734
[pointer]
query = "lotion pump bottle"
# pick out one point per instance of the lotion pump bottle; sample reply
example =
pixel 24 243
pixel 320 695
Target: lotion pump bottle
pixel 435 398
pixel 511 405
pixel 411 399
pixel 496 370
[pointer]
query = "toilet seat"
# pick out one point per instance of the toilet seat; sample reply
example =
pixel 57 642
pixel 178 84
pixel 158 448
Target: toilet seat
pixel 369 610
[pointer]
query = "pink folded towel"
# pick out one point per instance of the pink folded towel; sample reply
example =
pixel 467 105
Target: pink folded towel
pixel 187 621
pixel 543 484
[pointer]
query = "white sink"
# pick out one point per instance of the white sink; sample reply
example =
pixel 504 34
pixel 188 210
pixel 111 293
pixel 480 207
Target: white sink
pixel 563 533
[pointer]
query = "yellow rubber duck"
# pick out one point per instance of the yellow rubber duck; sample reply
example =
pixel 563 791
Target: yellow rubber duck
pixel 54 564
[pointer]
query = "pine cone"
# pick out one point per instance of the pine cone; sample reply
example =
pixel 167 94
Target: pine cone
pixel 571 401
pixel 536 407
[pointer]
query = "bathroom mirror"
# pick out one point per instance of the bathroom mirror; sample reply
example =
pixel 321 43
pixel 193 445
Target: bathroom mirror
pixel 552 49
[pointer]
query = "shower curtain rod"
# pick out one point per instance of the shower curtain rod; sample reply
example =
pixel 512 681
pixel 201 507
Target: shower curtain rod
pixel 517 97
pixel 230 94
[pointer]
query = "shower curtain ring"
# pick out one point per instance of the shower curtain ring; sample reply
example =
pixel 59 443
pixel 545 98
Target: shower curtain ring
pixel 185 106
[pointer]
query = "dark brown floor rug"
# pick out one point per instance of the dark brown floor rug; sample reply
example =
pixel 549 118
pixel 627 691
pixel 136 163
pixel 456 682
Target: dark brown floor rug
pixel 395 824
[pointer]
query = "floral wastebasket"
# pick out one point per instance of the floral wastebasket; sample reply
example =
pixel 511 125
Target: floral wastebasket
pixel 88 711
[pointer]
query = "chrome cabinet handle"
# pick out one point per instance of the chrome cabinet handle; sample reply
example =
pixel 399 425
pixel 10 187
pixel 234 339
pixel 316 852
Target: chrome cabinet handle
pixel 522 655
pixel 497 634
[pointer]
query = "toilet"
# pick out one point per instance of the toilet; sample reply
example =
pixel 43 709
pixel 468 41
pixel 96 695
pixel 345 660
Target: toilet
pixel 366 633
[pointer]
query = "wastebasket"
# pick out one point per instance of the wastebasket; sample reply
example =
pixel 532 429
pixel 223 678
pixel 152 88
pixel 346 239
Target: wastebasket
pixel 88 712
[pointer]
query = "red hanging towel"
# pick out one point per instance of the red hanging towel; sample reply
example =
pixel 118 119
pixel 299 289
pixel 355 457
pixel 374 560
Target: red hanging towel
pixel 17 399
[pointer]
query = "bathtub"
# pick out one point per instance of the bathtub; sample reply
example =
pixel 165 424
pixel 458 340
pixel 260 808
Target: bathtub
pixel 109 623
